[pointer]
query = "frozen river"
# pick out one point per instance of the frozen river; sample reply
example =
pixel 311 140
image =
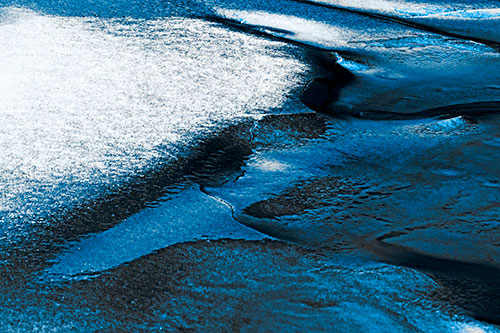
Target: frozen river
pixel 250 165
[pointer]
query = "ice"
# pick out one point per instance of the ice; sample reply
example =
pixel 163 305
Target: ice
pixel 88 102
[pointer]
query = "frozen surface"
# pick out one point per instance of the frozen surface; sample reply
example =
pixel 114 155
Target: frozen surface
pixel 87 103
pixel 398 69
pixel 473 19
pixel 245 285
pixel 150 149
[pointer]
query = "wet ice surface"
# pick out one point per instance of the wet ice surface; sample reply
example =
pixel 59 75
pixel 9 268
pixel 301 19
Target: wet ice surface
pixel 245 285
pixel 398 69
pixel 151 229
pixel 437 174
pixel 324 192
pixel 473 19
pixel 361 190
pixel 88 103
pixel 149 150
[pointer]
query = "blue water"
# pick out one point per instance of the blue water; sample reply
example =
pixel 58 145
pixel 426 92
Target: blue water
pixel 249 165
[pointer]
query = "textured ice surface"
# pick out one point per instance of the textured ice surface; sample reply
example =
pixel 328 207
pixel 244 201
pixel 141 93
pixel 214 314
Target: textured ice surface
pixel 88 102
pixel 422 194
pixel 473 19
pixel 398 69
pixel 371 178
pixel 132 139
pixel 243 285
pixel 183 217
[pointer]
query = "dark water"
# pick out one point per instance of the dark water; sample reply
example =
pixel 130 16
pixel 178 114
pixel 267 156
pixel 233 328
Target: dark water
pixel 250 165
